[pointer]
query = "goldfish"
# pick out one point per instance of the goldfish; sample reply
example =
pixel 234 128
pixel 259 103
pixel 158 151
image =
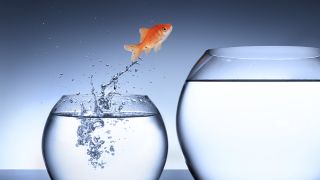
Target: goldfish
pixel 149 38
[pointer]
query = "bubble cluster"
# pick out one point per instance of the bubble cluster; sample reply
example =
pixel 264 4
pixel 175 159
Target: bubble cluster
pixel 96 136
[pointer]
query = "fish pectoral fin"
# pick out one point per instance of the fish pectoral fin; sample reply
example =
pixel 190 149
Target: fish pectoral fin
pixel 157 47
pixel 143 32
pixel 147 50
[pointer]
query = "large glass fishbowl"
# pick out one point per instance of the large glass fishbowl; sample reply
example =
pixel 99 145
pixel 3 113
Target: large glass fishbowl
pixel 252 113
pixel 112 137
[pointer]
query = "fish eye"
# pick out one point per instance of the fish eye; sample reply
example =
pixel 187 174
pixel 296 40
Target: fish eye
pixel 164 29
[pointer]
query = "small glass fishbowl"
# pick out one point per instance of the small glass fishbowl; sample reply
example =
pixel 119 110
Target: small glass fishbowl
pixel 252 113
pixel 114 137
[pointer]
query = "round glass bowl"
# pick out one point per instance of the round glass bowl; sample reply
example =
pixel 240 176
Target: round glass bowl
pixel 252 113
pixel 124 140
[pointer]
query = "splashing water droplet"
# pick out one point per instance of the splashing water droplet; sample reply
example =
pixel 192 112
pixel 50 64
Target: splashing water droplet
pixel 111 148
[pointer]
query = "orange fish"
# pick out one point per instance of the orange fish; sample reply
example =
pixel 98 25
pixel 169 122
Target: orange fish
pixel 149 38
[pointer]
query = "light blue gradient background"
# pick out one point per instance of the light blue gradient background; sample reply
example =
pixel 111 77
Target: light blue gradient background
pixel 39 40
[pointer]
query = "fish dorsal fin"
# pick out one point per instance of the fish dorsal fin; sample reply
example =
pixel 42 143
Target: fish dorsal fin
pixel 143 32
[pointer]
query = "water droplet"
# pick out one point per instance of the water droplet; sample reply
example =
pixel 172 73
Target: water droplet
pixel 98 124
pixel 111 148
pixel 96 139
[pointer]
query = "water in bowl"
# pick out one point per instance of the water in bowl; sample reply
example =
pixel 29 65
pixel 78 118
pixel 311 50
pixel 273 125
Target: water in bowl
pixel 251 129
pixel 128 147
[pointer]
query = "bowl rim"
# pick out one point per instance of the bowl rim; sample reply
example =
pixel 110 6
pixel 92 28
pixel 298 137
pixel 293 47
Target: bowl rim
pixel 245 52
pixel 91 95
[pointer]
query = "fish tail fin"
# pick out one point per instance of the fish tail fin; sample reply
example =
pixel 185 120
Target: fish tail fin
pixel 135 49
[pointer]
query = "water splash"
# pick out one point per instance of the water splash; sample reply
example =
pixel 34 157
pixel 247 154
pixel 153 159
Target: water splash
pixel 104 102
pixel 97 146
pixel 114 80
